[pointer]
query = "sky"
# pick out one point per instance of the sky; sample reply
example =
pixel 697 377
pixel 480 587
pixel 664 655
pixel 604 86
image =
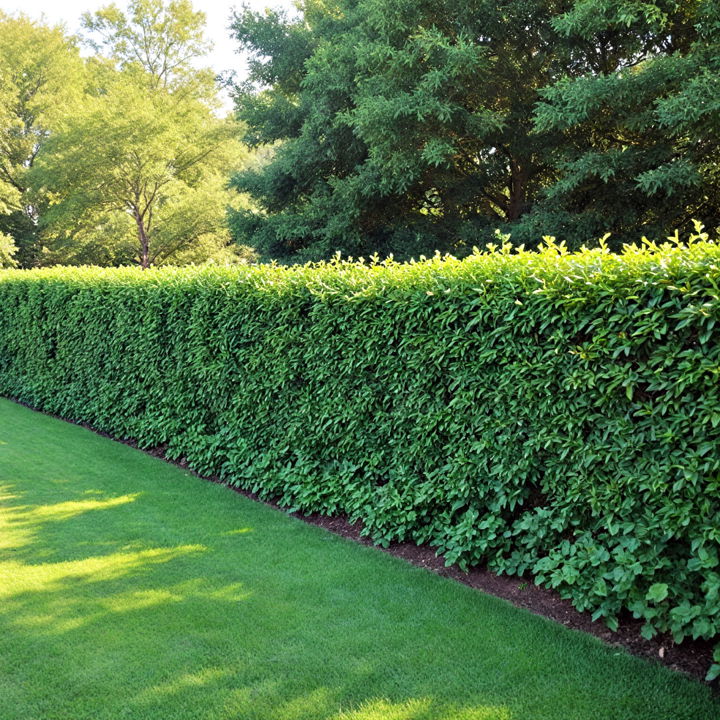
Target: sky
pixel 224 56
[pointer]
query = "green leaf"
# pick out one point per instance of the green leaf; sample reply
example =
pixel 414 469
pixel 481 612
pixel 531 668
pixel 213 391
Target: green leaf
pixel 657 592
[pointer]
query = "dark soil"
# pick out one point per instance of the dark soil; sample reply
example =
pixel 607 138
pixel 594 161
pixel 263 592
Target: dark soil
pixel 692 657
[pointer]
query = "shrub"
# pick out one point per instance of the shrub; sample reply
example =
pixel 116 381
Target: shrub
pixel 545 413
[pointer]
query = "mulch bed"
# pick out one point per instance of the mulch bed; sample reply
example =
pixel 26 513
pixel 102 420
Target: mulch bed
pixel 692 657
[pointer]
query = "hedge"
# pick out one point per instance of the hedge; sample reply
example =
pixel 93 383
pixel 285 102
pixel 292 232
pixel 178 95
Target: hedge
pixel 548 414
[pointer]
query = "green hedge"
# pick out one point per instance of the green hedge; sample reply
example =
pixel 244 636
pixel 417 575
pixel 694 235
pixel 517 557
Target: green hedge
pixel 545 413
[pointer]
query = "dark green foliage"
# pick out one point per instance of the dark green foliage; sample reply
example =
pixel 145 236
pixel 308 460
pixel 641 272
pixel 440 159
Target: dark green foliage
pixel 641 130
pixel 547 413
pixel 25 234
pixel 406 126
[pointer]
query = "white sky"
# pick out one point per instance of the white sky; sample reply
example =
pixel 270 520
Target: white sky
pixel 224 56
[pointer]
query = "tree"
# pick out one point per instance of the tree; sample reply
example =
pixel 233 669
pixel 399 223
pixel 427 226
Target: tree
pixel 139 174
pixel 7 251
pixel 41 75
pixel 407 126
pixel 641 129
pixel 159 40
pixel 404 126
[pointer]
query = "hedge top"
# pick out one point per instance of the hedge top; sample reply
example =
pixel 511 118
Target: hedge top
pixel 548 271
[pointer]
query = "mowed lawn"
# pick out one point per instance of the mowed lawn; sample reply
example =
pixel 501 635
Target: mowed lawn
pixel 131 589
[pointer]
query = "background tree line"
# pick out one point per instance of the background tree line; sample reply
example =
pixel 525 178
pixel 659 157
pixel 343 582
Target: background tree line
pixel 389 126
pixel 119 157
pixel 407 126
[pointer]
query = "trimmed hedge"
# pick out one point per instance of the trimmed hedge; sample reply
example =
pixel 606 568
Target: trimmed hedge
pixel 545 413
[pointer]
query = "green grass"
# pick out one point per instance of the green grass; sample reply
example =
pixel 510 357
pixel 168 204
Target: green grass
pixel 130 589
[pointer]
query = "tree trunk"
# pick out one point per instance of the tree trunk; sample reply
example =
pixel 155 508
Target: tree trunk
pixel 144 243
pixel 518 185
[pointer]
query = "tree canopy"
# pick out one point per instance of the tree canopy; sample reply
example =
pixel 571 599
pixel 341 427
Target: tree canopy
pixel 151 191
pixel 41 77
pixel 397 127
pixel 641 132
pixel 122 157
pixel 159 40
pixel 404 126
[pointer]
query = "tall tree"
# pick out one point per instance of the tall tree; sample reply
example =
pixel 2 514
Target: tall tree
pixel 138 170
pixel 641 128
pixel 41 76
pixel 411 125
pixel 403 126
pixel 161 40
pixel 138 174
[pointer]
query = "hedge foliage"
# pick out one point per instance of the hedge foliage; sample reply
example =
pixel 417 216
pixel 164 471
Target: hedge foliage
pixel 546 413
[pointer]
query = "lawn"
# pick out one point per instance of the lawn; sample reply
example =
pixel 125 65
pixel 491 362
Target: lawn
pixel 130 589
